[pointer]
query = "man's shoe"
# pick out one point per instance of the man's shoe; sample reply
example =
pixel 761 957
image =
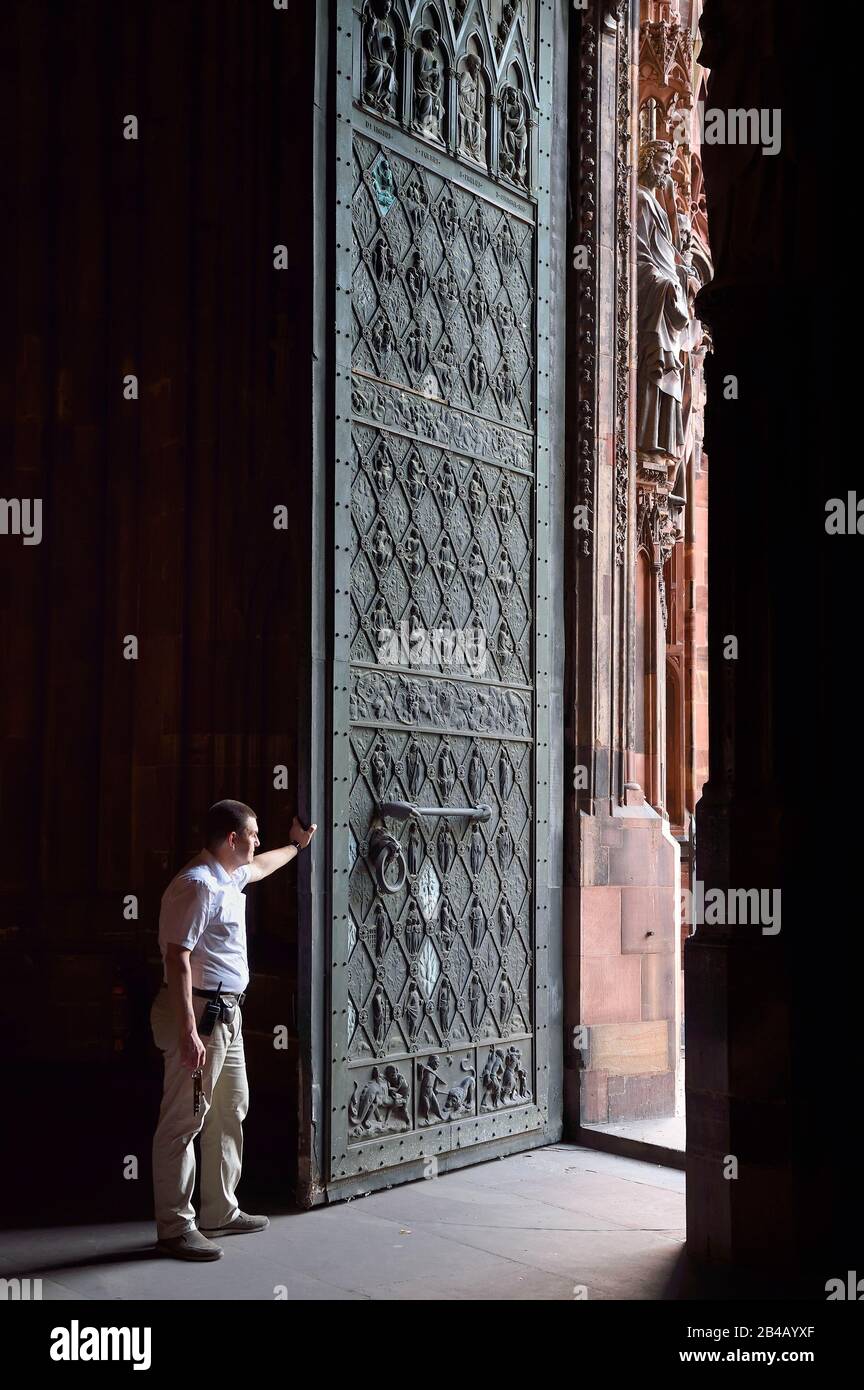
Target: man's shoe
pixel 242 1225
pixel 190 1246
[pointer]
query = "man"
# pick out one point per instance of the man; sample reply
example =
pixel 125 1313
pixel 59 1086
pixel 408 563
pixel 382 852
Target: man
pixel 197 1023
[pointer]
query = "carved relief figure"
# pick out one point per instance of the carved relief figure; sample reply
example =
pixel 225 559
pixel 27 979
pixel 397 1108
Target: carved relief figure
pixel 505 644
pixel 428 107
pixel 445 366
pixel 416 630
pixel 505 318
pixel 493 1070
pixel 398 1093
pixel 414 1011
pixel 417 276
pixel 446 772
pixel 505 776
pixel 414 765
pixel 504 844
pixel 380 1015
pixel 415 349
pixel 382 546
pixel 472 109
pixel 379 43
pixel 379 766
pixel 382 930
pixel 383 340
pixel 478 377
pixel 475 1002
pixel 363 1107
pixel 446 925
pixel 445 849
pixel 514 136
pixel 476 778
pixel 444 1006
pixel 506 245
pixel 447 484
pixel 382 468
pixel 448 217
pixel 416 476
pixel 504 574
pixel 477 232
pixel 505 1000
pixel 506 384
pixel 476 567
pixel 475 918
pixel 476 305
pixel 379 622
pixel 448 289
pixel 505 921
pixel 663 311
pixel 415 850
pixel 416 202
pixel 413 552
pixel 478 849
pixel 413 930
pixel 476 495
pixel 447 560
pixel 428 1107
pixel 383 263
pixel 460 1098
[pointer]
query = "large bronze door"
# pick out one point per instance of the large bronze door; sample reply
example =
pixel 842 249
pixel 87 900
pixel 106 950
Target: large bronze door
pixel 441 739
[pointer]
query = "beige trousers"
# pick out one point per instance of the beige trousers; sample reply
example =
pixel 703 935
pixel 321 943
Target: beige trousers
pixel 224 1103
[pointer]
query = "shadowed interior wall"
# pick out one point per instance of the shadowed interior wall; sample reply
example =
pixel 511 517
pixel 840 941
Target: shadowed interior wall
pixel 152 257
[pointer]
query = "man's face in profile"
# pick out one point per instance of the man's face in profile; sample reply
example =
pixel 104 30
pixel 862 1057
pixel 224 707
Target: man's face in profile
pixel 245 843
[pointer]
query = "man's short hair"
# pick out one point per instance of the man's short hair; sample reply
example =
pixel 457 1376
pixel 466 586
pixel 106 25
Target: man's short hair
pixel 224 817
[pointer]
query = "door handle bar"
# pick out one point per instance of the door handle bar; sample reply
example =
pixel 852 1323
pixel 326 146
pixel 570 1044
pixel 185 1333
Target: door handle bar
pixel 401 810
pixel 386 853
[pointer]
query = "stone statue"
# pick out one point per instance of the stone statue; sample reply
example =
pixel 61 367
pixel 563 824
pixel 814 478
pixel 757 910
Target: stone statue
pixel 663 313
pixel 514 136
pixel 472 109
pixel 379 43
pixel 428 107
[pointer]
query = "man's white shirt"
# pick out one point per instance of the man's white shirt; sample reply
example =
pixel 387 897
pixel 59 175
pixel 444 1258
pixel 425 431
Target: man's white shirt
pixel 204 910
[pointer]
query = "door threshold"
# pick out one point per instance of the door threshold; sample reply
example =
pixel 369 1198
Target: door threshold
pixel 630 1148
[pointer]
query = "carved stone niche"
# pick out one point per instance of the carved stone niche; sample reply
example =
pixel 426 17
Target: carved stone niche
pixel 472 105
pixel 380 55
pixel 514 125
pixel 430 80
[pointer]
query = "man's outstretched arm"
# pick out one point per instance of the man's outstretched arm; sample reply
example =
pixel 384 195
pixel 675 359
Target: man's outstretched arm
pixel 273 859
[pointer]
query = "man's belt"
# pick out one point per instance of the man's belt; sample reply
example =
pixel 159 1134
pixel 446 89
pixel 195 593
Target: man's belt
pixel 214 994
pixel 219 994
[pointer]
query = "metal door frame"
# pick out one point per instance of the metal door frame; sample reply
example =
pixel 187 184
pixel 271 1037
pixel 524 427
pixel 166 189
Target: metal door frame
pixel 322 1174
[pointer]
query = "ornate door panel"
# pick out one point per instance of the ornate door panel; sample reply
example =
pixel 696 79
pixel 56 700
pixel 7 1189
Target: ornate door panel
pixel 440 707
